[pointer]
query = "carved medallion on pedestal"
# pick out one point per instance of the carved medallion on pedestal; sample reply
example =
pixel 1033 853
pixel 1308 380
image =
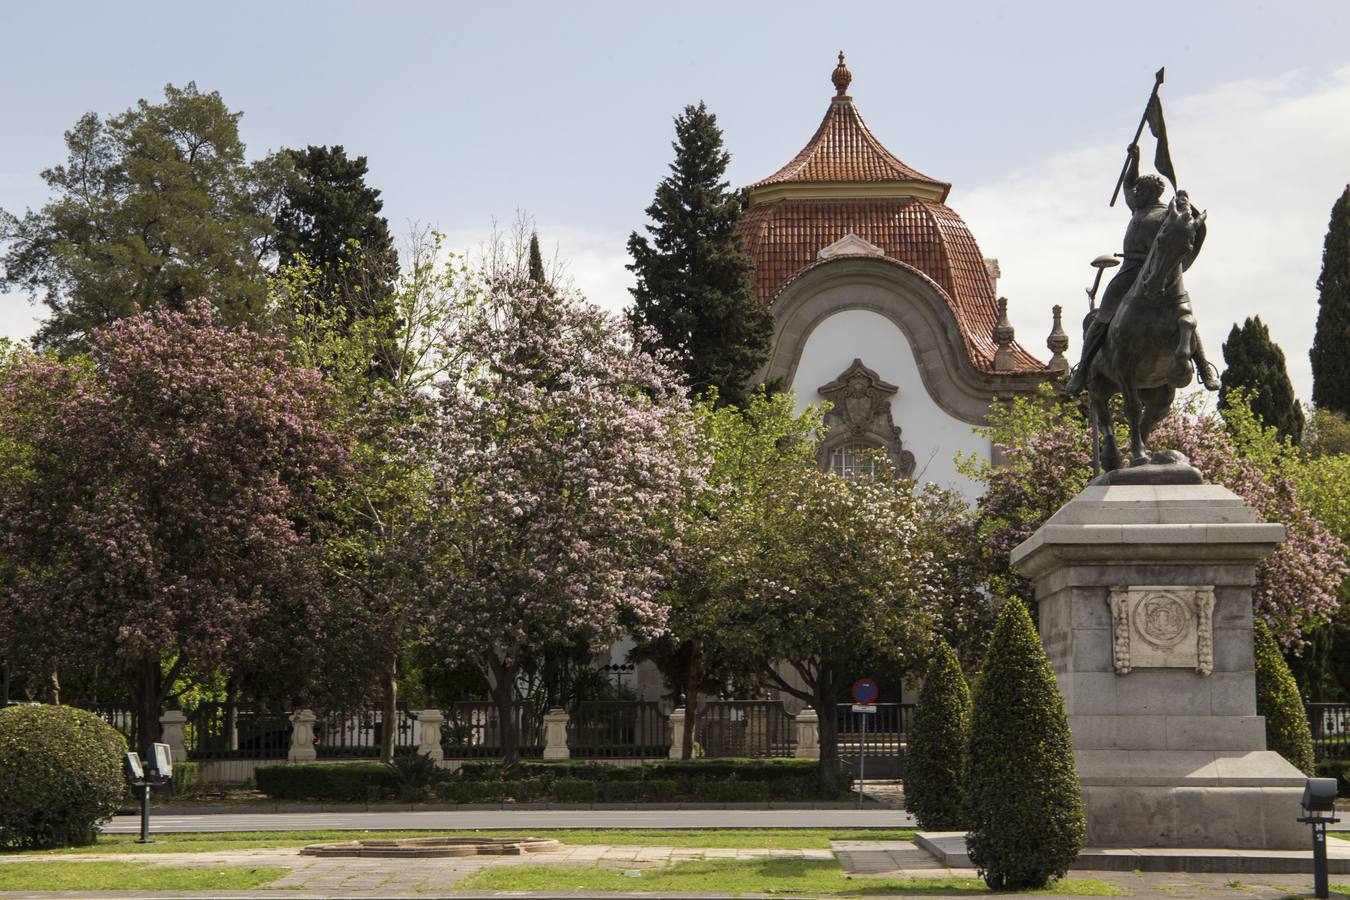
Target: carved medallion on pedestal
pixel 1162 627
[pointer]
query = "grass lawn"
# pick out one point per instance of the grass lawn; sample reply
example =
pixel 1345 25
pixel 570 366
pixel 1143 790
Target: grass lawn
pixel 743 876
pixel 735 838
pixel 113 876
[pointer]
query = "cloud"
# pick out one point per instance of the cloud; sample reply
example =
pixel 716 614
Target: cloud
pixel 1267 159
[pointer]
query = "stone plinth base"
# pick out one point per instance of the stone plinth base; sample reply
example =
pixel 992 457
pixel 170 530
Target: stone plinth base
pixel 1145 596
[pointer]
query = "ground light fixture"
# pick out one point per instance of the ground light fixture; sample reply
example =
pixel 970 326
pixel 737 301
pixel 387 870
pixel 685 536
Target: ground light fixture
pixel 1319 807
pixel 139 775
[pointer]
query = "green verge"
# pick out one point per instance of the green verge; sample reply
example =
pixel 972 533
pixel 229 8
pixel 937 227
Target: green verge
pixel 809 877
pixel 131 876
pixel 724 838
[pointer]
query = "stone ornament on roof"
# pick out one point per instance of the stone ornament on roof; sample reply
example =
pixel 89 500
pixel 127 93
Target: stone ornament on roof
pixel 861 412
pixel 841 77
pixel 850 245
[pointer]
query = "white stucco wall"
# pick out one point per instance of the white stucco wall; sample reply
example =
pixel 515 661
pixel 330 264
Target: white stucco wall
pixel 929 432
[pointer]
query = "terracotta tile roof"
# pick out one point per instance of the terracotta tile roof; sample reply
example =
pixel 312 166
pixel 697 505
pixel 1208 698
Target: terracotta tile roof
pixel 843 149
pixel 785 236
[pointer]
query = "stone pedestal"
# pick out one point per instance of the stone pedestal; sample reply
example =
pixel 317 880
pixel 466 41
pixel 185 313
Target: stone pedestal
pixel 555 734
pixel 1145 597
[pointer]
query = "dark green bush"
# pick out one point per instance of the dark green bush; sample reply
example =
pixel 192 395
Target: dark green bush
pixel 575 790
pixel 937 742
pixel 60 776
pixel 1338 769
pixel 457 791
pixel 416 774
pixel 1023 803
pixel 1278 699
pixel 186 778
pixel 332 782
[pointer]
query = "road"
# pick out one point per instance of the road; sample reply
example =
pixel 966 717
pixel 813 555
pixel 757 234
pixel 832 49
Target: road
pixel 524 818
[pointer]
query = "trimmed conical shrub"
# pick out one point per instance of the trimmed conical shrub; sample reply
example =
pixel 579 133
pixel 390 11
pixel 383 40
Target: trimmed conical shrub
pixel 937 741
pixel 1278 699
pixel 1022 799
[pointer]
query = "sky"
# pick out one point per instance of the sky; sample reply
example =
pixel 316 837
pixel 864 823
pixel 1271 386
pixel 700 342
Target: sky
pixel 471 112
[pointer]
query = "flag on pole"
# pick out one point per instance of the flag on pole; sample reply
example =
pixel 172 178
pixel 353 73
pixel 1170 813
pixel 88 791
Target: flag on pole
pixel 1162 157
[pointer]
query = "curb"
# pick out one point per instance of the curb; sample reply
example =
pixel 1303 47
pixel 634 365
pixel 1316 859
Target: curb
pixel 309 808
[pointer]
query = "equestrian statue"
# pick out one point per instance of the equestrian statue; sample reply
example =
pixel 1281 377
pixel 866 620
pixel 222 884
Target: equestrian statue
pixel 1141 342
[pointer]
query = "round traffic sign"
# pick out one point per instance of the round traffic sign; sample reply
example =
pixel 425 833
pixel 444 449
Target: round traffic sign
pixel 865 690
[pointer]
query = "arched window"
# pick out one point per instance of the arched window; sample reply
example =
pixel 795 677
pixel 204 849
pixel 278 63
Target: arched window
pixel 856 459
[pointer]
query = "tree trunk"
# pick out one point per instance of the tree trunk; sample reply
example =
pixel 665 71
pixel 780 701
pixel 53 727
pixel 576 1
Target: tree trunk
pixel 149 698
pixel 389 712
pixel 824 703
pixel 693 679
pixel 503 697
pixel 53 685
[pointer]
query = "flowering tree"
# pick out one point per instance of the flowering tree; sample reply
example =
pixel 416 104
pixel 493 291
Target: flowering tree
pixel 832 577
pixel 1047 450
pixel 564 460
pixel 153 497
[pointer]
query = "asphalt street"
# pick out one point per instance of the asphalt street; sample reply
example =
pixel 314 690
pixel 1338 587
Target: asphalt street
pixel 524 818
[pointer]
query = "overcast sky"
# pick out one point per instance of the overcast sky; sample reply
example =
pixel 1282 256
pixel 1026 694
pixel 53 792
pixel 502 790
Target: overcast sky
pixel 471 111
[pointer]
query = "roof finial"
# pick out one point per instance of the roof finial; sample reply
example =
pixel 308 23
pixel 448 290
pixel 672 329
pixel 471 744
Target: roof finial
pixel 1004 358
pixel 1058 342
pixel 841 77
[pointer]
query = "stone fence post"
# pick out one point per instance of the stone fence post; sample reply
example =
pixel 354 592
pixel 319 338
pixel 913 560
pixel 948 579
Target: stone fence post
pixel 429 734
pixel 808 734
pixel 677 733
pixel 172 722
pixel 302 737
pixel 555 734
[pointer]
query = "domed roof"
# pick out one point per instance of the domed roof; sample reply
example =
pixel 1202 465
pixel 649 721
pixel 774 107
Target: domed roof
pixel 844 182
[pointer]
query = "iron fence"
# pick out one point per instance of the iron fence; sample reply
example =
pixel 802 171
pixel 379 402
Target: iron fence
pixel 599 729
pixel 1330 726
pixel 745 728
pixel 472 729
pixel 122 716
pixel 886 729
pixel 235 731
pixel 358 733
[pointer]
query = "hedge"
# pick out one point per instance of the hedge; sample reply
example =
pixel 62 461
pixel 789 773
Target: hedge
pixel 60 776
pixel 341 782
pixel 1338 769
pixel 1278 699
pixel 1023 803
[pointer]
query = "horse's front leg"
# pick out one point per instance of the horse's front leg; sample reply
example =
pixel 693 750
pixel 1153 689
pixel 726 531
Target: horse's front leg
pixel 1134 417
pixel 1182 370
pixel 1106 456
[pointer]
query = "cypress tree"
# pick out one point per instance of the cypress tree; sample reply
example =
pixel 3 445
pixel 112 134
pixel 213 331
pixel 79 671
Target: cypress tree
pixel 693 275
pixel 1023 803
pixel 937 741
pixel 1278 699
pixel 1256 365
pixel 536 261
pixel 1330 362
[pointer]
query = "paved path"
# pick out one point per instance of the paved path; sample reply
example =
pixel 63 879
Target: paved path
pixel 523 818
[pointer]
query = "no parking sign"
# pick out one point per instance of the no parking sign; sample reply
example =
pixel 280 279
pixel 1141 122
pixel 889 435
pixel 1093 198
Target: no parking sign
pixel 865 691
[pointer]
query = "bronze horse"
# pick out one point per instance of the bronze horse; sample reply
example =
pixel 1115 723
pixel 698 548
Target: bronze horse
pixel 1149 344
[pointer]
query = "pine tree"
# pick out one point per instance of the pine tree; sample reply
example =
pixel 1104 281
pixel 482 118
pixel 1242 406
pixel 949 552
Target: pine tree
pixel 693 275
pixel 937 741
pixel 331 218
pixel 1255 364
pixel 1023 802
pixel 536 261
pixel 1330 362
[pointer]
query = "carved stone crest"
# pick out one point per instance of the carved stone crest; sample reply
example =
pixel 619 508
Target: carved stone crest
pixel 1162 627
pixel 850 245
pixel 861 413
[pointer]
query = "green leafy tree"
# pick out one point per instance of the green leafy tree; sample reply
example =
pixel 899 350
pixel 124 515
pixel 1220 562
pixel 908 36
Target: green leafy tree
pixel 331 218
pixel 153 207
pixel 1330 363
pixel 1256 365
pixel 1327 434
pixel 1023 803
pixel 1278 699
pixel 693 275
pixel 937 742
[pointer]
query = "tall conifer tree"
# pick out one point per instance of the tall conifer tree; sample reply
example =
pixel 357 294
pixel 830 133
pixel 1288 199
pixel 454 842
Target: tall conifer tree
pixel 1330 362
pixel 1256 365
pixel 693 275
pixel 536 261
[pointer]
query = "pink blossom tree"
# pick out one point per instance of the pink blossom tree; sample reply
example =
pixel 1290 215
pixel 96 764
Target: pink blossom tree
pixel 1047 453
pixel 156 497
pixel 564 463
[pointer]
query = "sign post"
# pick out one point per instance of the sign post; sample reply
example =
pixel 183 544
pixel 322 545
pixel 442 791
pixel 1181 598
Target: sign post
pixel 865 691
